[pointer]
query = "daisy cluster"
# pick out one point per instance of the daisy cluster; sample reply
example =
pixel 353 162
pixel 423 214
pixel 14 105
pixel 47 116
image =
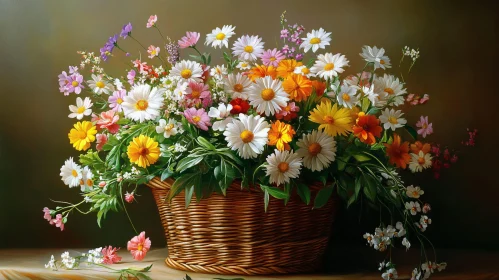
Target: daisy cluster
pixel 263 117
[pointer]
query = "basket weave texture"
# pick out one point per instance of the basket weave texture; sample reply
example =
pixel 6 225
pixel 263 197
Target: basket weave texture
pixel 232 234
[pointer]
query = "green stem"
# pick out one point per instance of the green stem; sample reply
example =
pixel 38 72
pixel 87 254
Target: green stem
pixel 124 207
pixel 138 42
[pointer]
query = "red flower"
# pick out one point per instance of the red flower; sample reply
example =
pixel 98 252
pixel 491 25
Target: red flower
pixel 239 106
pixel 109 255
pixel 366 128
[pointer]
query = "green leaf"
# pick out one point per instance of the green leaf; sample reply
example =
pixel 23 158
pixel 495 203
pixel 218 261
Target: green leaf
pixel 304 192
pixel 146 269
pixel 370 189
pixel 358 186
pixel 365 104
pixel 92 159
pixel 373 111
pixel 189 190
pixel 99 217
pixel 166 174
pixel 188 162
pixel 342 162
pixel 322 197
pixel 187 277
pixel 361 158
pixel 411 131
pixel 141 275
pixel 111 142
pixel 205 143
pixel 114 157
pixel 266 199
pixel 275 192
pixel 180 184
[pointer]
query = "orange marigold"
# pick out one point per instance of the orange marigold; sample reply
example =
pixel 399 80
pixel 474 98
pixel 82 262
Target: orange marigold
pixel 398 153
pixel 319 87
pixel 260 71
pixel 298 87
pixel 366 128
pixel 418 146
pixel 280 134
pixel 286 67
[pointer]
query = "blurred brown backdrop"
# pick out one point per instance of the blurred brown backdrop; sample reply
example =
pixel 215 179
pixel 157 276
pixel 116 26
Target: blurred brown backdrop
pixel 39 39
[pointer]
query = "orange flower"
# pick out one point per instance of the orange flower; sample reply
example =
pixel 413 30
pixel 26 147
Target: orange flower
pixel 280 134
pixel 398 153
pixel 319 87
pixel 260 71
pixel 366 128
pixel 418 146
pixel 298 87
pixel 286 67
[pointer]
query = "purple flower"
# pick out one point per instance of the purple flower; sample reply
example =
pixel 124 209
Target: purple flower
pixel 116 99
pixel 73 69
pixel 74 84
pixel 299 56
pixel 173 52
pixel 131 77
pixel 126 31
pixel 272 57
pixel 425 127
pixel 108 47
pixel 198 118
pixel 284 33
pixel 63 79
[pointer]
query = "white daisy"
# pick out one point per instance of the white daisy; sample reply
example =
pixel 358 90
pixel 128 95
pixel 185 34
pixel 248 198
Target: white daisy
pixel 315 40
pixel 317 149
pixel 392 119
pixel 303 70
pixel 390 90
pixel 282 166
pixel 347 96
pixel 81 109
pixel 237 85
pixel 376 56
pixel 413 207
pixel 414 192
pixel 243 65
pixel 71 173
pixel 371 95
pixel 328 65
pixel 267 96
pixel 420 161
pixel 219 71
pixel 86 182
pixel 180 91
pixel 390 274
pixel 222 114
pixel 247 135
pixel 189 71
pixel 248 48
pixel 170 128
pixel 219 37
pixel 143 103
pixel 99 85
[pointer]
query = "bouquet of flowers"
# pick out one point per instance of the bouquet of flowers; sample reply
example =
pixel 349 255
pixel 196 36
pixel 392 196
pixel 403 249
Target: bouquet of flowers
pixel 273 119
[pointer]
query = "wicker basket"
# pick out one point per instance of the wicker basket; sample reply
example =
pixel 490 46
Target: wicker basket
pixel 234 235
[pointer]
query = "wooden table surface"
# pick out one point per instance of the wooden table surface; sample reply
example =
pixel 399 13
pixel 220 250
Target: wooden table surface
pixel 29 264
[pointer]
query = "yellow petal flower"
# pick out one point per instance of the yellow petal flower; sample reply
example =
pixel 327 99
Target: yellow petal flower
pixel 331 120
pixel 82 135
pixel 143 151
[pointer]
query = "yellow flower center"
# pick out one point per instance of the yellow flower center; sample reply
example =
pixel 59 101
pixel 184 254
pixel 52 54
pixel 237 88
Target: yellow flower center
pixel 220 36
pixel 425 126
pixel 90 182
pixel 81 109
pixel 153 52
pixel 82 134
pixel 248 49
pixel 314 149
pixel 393 120
pixel 328 119
pixel 389 91
pixel 272 59
pixel 99 84
pixel 141 105
pixel 415 193
pixel 75 83
pixel 305 71
pixel 74 173
pixel 119 100
pixel 267 94
pixel 329 66
pixel 196 119
pixel 283 167
pixel 421 160
pixel 381 61
pixel 186 73
pixel 413 209
pixel 169 127
pixel 140 247
pixel 195 94
pixel 143 152
pixel 244 65
pixel 247 136
pixel 315 40
pixel 346 97
pixel 238 87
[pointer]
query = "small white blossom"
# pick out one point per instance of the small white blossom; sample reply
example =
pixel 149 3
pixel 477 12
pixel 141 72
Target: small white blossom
pixel 401 229
pixel 178 148
pixel 127 175
pixel 51 263
pixel 68 261
pixel 406 243
pixel 390 274
pixel 413 207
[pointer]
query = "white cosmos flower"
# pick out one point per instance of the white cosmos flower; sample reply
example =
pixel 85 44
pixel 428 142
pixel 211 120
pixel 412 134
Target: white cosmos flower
pixel 81 109
pixel 328 65
pixel 317 149
pixel 99 85
pixel 219 37
pixel 248 48
pixel 170 128
pixel 71 173
pixel 315 40
pixel 390 90
pixel 222 114
pixel 247 135
pixel 237 85
pixel 282 166
pixel 413 207
pixel 303 70
pixel 419 161
pixel 392 119
pixel 143 103
pixel 347 97
pixel 376 56
pixel 267 96
pixel 86 182
pixel 188 71
pixel 243 65
pixel 414 192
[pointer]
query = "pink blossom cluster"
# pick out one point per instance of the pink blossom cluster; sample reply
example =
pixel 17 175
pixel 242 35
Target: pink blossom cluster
pixel 58 221
pixel 415 99
pixel 291 36
pixel 442 158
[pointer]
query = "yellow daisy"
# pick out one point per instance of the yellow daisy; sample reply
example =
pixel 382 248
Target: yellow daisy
pixel 332 120
pixel 82 135
pixel 143 151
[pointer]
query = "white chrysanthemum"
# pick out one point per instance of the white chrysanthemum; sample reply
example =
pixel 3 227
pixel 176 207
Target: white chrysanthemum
pixel 237 85
pixel 282 166
pixel 303 70
pixel 414 192
pixel 248 48
pixel 170 128
pixel 420 161
pixel 99 85
pixel 86 182
pixel 376 56
pixel 81 109
pixel 219 37
pixel 143 103
pixel 328 65
pixel 219 71
pixel 247 135
pixel 392 119
pixel 267 96
pixel 222 114
pixel 347 96
pixel 315 40
pixel 390 90
pixel 243 65
pixel 317 149
pixel 188 71
pixel 71 173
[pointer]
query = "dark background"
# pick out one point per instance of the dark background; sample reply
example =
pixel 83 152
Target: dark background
pixel 458 68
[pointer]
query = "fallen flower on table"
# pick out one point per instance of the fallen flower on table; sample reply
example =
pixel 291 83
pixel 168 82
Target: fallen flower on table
pixel 139 245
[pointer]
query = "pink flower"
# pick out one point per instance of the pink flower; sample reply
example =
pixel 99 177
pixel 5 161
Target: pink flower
pixel 288 112
pixel 153 51
pixel 129 197
pixel 101 141
pixel 131 77
pixel 46 214
pixel 189 40
pixel 198 118
pixel 116 99
pixel 272 57
pixel 453 159
pixel 197 93
pixel 426 208
pixel 139 245
pixel 152 21
pixel 58 222
pixel 425 127
pixel 107 120
pixel 109 255
pixel 425 99
pixel 102 184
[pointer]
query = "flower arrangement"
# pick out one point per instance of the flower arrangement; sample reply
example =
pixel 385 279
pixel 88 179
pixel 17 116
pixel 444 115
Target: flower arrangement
pixel 272 119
